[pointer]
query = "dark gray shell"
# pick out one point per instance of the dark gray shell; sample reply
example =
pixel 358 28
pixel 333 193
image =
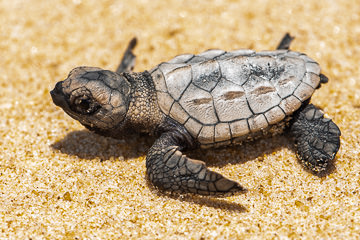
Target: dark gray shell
pixel 219 96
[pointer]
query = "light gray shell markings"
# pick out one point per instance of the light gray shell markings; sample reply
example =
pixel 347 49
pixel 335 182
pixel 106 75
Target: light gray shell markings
pixel 220 95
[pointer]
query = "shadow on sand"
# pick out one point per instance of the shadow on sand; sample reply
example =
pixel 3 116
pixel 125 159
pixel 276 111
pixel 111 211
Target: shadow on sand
pixel 88 145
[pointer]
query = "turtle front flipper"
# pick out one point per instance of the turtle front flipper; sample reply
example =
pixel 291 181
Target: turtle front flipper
pixel 285 42
pixel 169 169
pixel 128 61
pixel 317 139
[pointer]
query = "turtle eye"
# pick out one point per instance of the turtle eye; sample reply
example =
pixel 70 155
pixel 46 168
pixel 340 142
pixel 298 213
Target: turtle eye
pixel 85 105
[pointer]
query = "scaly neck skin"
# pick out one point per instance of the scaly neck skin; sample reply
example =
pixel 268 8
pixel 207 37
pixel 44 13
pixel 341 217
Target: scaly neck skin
pixel 144 114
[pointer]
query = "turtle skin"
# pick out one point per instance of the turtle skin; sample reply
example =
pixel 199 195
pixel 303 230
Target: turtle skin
pixel 122 103
pixel 317 139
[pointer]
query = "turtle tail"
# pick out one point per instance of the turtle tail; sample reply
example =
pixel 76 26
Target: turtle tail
pixel 323 79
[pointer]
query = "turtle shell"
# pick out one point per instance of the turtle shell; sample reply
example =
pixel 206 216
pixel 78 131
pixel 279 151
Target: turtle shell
pixel 219 96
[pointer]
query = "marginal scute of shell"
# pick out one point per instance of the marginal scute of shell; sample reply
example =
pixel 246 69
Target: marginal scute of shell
pixel 290 104
pixel 303 91
pixel 293 53
pixel 306 58
pixel 239 52
pixel 257 123
pixel 193 127
pixel 159 80
pixel 274 115
pixel 211 53
pixel 313 67
pixel 239 128
pixel 181 58
pixel 197 59
pixel 222 132
pixel 272 52
pixel 207 135
pixel 312 79
pixel 168 67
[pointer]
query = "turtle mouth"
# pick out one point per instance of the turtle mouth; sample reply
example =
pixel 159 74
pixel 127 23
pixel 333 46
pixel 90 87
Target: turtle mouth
pixel 60 99
pixel 57 95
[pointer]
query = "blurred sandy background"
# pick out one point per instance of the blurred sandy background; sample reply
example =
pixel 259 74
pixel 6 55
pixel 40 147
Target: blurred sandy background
pixel 59 181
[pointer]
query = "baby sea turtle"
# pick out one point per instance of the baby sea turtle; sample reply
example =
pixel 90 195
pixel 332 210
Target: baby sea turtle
pixel 215 98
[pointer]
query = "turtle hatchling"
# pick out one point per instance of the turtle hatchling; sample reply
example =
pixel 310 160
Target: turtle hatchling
pixel 212 99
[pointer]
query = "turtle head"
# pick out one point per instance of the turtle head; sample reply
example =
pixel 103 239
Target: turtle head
pixel 97 98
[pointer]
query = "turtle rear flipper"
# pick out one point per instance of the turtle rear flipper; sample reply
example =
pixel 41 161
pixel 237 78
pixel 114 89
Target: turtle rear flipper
pixel 169 169
pixel 317 139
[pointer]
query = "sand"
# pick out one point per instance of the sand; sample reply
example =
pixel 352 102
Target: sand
pixel 59 181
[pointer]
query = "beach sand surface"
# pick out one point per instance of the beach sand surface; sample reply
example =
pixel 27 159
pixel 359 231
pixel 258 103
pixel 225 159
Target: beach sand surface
pixel 60 181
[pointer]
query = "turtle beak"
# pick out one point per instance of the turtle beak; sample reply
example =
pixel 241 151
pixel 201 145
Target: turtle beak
pixel 57 95
pixel 60 99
